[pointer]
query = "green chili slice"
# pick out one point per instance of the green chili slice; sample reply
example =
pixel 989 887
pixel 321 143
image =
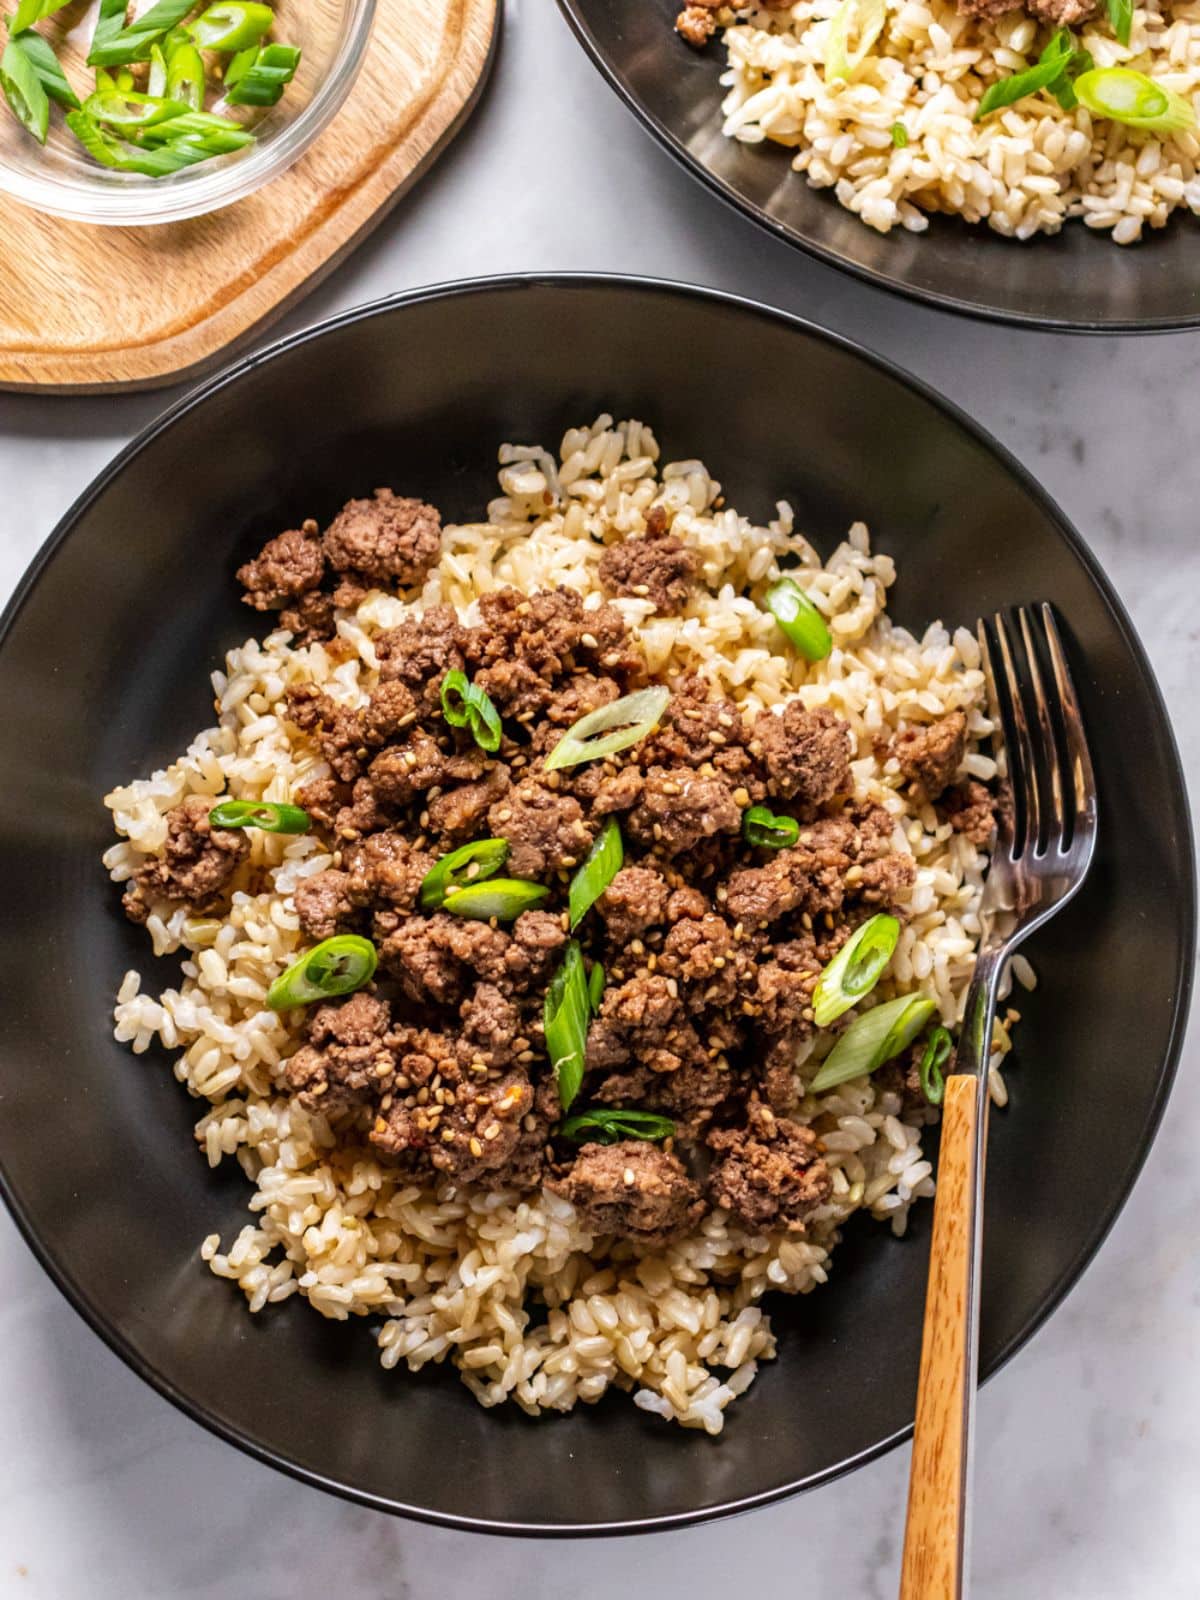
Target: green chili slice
pixel 469 864
pixel 466 706
pixel 502 898
pixel 1131 97
pixel 937 1053
pixel 262 80
pixel 610 728
pixel 601 865
pixel 872 1039
pixel 335 966
pixel 269 815
pixel 856 969
pixel 231 25
pixel 763 829
pixel 610 1124
pixel 23 89
pixel 799 619
pixel 566 1014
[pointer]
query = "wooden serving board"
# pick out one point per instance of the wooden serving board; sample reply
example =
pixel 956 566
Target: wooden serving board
pixel 191 290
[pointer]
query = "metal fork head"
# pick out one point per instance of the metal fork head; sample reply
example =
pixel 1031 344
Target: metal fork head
pixel 1047 833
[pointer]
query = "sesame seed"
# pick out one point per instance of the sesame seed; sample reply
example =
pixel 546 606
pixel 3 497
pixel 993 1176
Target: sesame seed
pixel 640 589
pixel 492 1131
pixel 588 639
pixel 386 1103
pixel 447 1135
pixel 629 1178
pixel 741 797
pixel 714 737
pixel 475 1147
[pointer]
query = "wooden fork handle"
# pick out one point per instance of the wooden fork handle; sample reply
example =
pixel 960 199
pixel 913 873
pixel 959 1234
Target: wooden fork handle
pixel 935 1540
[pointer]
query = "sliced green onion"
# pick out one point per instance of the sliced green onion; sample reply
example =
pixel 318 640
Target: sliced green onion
pixel 231 25
pixel 1051 65
pixel 464 705
pixel 610 728
pixel 129 113
pixel 799 619
pixel 1134 99
pixel 600 866
pixel 855 970
pixel 763 829
pixel 30 11
pixel 270 815
pixel 215 135
pixel 261 81
pixel 335 966
pixel 152 161
pixel 1120 18
pixel 610 1124
pixel 156 78
pixel 566 1014
pixel 872 1039
pixel 185 74
pixel 110 19
pixel 469 864
pixel 858 20
pixel 113 46
pixel 50 75
pixel 937 1053
pixel 23 89
pixel 502 898
pixel 899 135
pixel 596 981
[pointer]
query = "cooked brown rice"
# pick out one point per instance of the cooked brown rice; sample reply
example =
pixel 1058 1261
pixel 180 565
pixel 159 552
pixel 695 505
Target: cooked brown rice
pixel 454 1274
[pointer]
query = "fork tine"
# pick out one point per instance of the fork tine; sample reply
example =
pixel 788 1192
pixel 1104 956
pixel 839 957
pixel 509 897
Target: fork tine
pixel 1026 761
pixel 1049 744
pixel 1004 813
pixel 1078 757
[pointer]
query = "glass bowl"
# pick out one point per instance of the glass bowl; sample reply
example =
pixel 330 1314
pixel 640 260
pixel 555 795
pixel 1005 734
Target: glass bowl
pixel 62 179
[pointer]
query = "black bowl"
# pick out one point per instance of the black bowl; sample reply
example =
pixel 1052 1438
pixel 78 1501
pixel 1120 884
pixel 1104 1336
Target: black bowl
pixel 103 670
pixel 1077 281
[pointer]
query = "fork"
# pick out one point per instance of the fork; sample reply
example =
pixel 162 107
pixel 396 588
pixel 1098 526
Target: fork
pixel 1043 848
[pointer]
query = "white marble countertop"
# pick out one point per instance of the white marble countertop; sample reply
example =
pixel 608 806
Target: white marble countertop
pixel 1089 1449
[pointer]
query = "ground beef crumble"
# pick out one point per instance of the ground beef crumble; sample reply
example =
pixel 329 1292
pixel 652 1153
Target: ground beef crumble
pixel 710 947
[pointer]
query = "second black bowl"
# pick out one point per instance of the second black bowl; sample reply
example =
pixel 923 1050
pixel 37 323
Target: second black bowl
pixel 1075 282
pixel 104 657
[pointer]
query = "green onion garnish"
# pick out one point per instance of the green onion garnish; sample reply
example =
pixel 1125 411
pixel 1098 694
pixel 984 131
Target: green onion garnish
pixel 152 161
pixel 231 25
pixel 215 135
pixel 1053 63
pixel 335 966
pixel 601 865
pixel 856 969
pixel 566 1015
pixel 129 113
pixel 609 1124
pixel 258 76
pixel 185 74
pixel 156 78
pixel 50 75
pixel 860 20
pixel 23 89
pixel 1120 18
pixel 763 829
pixel 502 898
pixel 469 864
pixel 464 705
pixel 799 619
pixel 596 981
pixel 30 11
pixel 114 45
pixel 937 1053
pixel 872 1039
pixel 899 135
pixel 1134 99
pixel 269 815
pixel 610 728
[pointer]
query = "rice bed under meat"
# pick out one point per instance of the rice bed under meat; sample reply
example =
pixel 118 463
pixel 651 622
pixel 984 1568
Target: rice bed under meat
pixel 465 1274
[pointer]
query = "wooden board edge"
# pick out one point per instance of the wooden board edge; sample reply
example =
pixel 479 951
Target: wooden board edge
pixel 163 364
